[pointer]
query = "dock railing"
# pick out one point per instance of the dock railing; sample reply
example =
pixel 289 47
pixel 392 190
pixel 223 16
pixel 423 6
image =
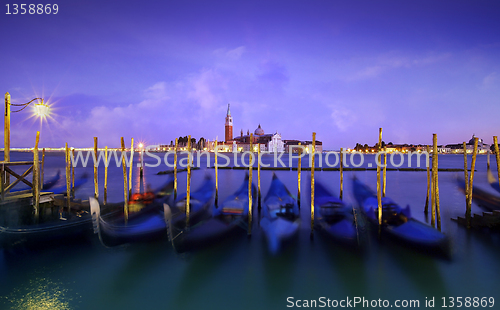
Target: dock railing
pixel 6 172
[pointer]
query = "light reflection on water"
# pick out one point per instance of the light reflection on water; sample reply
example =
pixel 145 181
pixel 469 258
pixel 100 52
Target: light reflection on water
pixel 241 274
pixel 39 294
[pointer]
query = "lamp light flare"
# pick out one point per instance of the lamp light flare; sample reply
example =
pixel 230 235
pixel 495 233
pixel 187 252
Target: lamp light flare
pixel 42 110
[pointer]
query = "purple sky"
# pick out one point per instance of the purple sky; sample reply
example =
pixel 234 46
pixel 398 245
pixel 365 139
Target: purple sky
pixel 155 70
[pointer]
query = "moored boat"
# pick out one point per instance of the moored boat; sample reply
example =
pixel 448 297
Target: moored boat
pixel 145 224
pixel 334 217
pixel 281 217
pixel 228 220
pixel 398 224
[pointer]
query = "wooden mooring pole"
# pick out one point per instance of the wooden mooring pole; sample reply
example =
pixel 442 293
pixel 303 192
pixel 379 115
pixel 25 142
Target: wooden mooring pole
pixel 36 179
pixel 68 178
pixel 216 175
pixel 426 210
pixel 130 169
pixel 42 169
pixel 125 185
pixel 6 136
pixel 96 185
pixel 258 177
pixel 250 167
pixel 341 173
pixel 313 150
pixel 72 175
pixel 175 168
pixel 106 174
pixel 188 187
pixel 471 180
pixel 497 156
pixel 299 168
pixel 466 178
pixel 488 161
pixel 436 181
pixel 379 189
pixel 384 173
pixel 433 190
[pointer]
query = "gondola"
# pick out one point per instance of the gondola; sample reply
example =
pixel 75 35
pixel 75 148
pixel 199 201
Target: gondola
pixel 52 228
pixel 334 217
pixel 280 216
pixel 398 224
pixel 229 219
pixel 179 228
pixel 145 224
pixel 482 198
pixel 70 228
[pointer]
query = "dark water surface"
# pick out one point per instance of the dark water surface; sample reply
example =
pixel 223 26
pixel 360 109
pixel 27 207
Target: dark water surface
pixel 240 274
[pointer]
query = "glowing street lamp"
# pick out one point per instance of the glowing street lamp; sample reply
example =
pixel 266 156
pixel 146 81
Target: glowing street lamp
pixel 40 109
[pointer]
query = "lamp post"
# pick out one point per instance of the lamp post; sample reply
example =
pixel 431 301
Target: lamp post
pixel 41 109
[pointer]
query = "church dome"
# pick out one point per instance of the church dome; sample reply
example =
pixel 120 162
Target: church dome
pixel 471 141
pixel 259 131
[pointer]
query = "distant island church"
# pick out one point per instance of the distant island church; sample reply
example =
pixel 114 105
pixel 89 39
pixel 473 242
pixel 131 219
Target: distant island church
pixel 271 142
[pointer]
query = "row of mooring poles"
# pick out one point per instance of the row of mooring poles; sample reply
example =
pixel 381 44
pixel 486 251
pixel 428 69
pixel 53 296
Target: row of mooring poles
pixel 469 180
pixel 433 185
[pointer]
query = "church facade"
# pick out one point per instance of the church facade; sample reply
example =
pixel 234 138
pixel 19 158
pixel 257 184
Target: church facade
pixel 271 142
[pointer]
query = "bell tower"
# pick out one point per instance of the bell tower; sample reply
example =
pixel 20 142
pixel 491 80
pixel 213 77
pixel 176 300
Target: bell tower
pixel 229 125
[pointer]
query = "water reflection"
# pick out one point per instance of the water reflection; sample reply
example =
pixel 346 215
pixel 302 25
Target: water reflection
pixel 39 294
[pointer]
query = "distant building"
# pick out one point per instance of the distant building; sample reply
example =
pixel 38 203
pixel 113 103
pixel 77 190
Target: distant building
pixel 482 148
pixel 268 142
pixel 228 126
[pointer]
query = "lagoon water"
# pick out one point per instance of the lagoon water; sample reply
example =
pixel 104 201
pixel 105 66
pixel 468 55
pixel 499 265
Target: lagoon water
pixel 240 274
